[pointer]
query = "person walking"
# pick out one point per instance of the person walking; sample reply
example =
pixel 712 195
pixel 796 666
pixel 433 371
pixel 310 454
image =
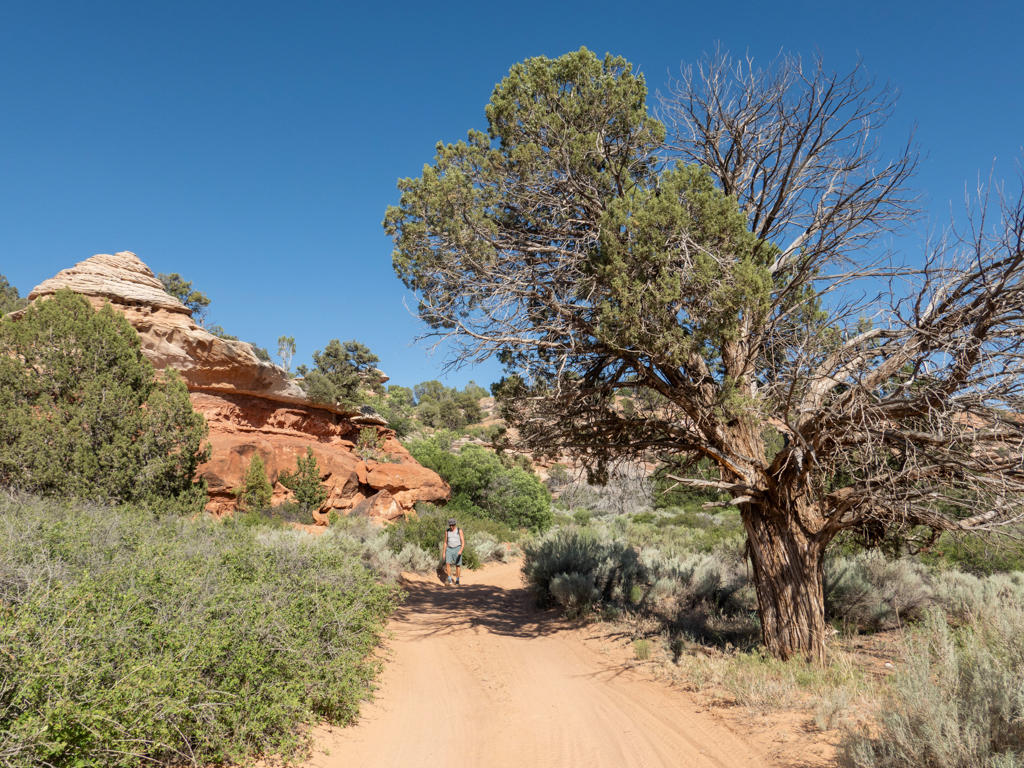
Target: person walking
pixel 454 542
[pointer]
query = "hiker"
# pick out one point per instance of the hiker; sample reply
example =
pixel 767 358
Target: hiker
pixel 454 541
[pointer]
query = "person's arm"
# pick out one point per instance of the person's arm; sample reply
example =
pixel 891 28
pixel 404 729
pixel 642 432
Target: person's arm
pixel 462 539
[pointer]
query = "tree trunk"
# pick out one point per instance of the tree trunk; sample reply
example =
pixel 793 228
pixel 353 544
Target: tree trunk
pixel 787 564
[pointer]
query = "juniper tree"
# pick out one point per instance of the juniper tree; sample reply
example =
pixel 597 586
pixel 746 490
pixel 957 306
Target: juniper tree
pixel 82 413
pixel 181 289
pixel 257 492
pixel 723 272
pixel 10 300
pixel 342 371
pixel 309 491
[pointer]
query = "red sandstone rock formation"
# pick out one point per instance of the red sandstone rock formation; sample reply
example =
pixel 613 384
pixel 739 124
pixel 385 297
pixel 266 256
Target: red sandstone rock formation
pixel 250 405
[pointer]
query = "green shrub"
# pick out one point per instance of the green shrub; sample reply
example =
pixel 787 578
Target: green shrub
pixel 964 597
pixel 642 649
pixel 257 493
pixel 979 555
pixel 10 300
pixel 871 592
pixel 82 414
pixel 127 640
pixel 310 493
pixel 575 592
pixel 956 700
pixel 612 566
pixel 478 478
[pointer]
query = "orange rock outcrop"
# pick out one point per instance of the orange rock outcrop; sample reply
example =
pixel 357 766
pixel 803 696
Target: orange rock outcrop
pixel 250 405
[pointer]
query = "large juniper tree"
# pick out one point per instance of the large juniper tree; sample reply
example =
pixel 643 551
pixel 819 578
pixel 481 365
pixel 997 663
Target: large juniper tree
pixel 82 413
pixel 723 271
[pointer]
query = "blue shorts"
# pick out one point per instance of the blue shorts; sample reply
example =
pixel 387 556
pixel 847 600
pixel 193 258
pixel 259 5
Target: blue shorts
pixel 452 556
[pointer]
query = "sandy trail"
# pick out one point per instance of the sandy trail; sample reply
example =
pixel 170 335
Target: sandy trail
pixel 477 677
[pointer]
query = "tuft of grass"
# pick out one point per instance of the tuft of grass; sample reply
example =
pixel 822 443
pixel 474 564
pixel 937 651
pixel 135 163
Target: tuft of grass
pixel 642 649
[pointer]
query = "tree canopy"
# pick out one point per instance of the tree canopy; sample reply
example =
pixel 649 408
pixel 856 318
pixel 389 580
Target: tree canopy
pixel 10 299
pixel 196 301
pixel 721 266
pixel 342 371
pixel 82 414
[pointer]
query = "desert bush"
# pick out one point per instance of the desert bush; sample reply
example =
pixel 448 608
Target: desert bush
pixel 479 479
pixel 487 547
pixel 871 592
pixel 979 555
pixel 256 492
pixel 575 592
pixel 82 413
pixel 642 649
pixel 426 530
pixel 415 559
pixel 612 565
pixel 128 640
pixel 694 580
pixel 677 532
pixel 964 596
pixel 956 701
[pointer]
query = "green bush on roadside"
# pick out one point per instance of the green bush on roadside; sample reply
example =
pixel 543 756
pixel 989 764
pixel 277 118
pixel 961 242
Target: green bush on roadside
pixel 481 481
pixel 426 530
pixel 127 640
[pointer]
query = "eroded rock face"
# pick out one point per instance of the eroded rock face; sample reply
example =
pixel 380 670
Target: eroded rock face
pixel 169 337
pixel 243 425
pixel 251 406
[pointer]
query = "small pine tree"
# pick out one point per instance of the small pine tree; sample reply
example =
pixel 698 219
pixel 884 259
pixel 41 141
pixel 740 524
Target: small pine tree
pixel 309 491
pixel 257 492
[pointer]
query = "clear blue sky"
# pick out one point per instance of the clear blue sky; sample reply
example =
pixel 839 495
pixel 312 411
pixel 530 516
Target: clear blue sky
pixel 253 147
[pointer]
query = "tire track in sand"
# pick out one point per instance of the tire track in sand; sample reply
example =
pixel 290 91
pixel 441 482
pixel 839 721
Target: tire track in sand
pixel 477 677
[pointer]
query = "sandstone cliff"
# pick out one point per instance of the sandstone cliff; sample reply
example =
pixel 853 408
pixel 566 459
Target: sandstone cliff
pixel 250 405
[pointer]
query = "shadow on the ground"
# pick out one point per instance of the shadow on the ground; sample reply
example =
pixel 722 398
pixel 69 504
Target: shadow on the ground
pixel 433 609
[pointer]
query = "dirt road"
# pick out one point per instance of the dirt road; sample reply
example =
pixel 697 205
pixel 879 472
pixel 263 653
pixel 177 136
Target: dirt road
pixel 478 678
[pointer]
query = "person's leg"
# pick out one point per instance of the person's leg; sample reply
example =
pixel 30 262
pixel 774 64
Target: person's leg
pixel 448 572
pixel 458 573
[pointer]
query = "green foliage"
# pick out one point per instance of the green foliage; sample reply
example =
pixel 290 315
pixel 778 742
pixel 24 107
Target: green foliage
pixel 575 592
pixel 513 496
pixel 260 352
pixel 257 492
pixel 341 373
pixel 642 649
pixel 446 407
pixel 220 333
pixel 427 529
pixel 370 445
pixel 979 555
pixel 611 566
pixel 870 592
pixel 10 300
pixel 310 493
pixel 128 641
pixel 181 289
pixel 396 408
pixel 82 414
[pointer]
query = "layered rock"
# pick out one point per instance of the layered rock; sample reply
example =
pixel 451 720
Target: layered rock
pixel 251 406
